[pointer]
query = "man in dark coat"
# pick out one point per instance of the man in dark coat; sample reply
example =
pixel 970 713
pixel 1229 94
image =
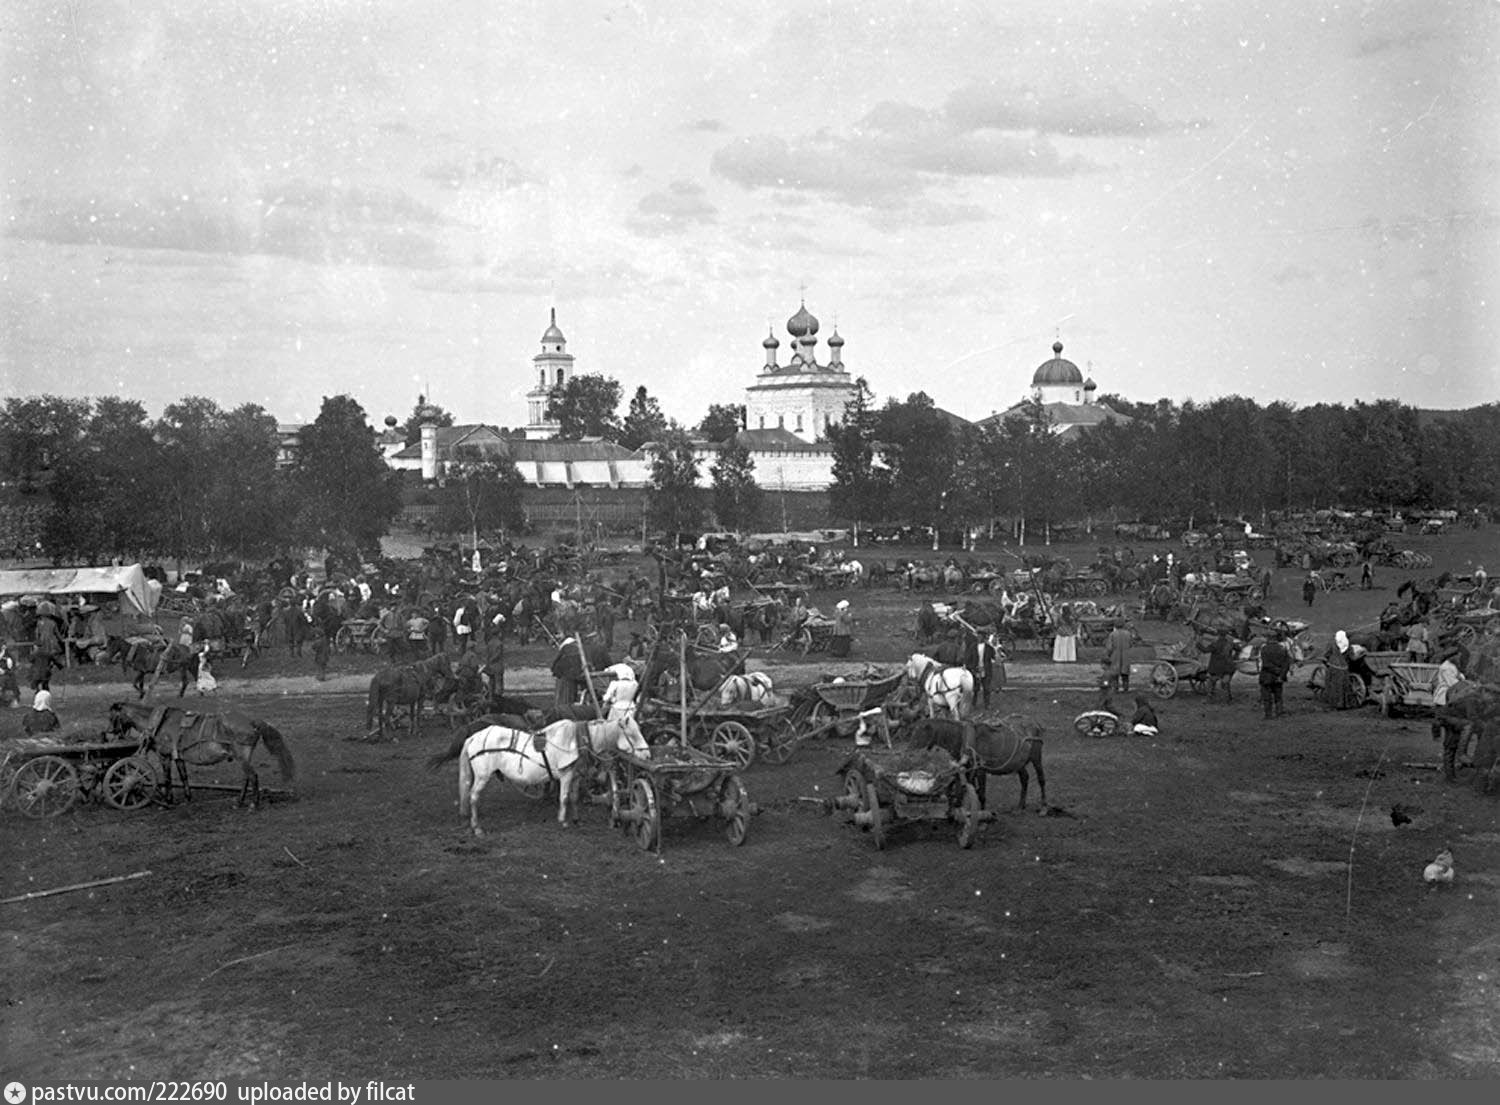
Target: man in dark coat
pixel 1221 658
pixel 1275 664
pixel 981 663
pixel 567 667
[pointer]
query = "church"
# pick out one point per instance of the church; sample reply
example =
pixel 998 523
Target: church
pixel 1069 400
pixel 803 397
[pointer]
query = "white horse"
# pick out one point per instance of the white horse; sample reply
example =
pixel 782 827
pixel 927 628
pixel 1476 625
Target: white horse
pixel 753 687
pixel 535 759
pixel 949 688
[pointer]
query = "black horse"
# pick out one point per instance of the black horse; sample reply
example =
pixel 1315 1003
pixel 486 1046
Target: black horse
pixel 152 659
pixel 1005 748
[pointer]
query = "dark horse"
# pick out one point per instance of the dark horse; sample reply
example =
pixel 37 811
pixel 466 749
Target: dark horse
pixel 185 737
pixel 1007 747
pixel 706 670
pixel 148 659
pixel 409 685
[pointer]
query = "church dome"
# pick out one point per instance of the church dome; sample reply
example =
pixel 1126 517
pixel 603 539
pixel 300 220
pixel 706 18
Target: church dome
pixel 835 340
pixel 1089 385
pixel 426 412
pixel 1057 370
pixel 553 334
pixel 802 324
pixel 770 342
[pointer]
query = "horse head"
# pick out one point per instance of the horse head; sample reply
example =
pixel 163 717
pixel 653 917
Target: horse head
pixel 625 733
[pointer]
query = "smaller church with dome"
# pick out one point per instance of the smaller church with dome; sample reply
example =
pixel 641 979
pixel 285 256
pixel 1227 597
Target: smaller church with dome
pixel 802 397
pixel 1069 399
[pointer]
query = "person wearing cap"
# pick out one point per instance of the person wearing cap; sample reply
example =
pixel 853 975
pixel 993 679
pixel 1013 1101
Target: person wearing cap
pixel 843 629
pixel 1416 642
pixel 1446 725
pixel 728 642
pixel 40 718
pixel 1275 665
pixel 1309 589
pixel 1117 656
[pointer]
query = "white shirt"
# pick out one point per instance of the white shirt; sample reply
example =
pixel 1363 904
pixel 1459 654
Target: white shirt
pixel 1448 677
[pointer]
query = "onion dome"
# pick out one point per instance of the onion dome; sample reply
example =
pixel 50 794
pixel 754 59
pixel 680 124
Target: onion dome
pixel 1057 370
pixel 1089 385
pixel 770 342
pixel 427 412
pixel 802 324
pixel 835 340
pixel 553 334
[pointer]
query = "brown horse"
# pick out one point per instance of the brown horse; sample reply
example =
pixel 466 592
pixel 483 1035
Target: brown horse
pixel 706 670
pixel 410 685
pixel 183 737
pixel 1008 747
pixel 153 660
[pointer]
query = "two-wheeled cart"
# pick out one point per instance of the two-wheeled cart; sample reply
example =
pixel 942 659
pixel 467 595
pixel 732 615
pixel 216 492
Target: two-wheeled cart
pixel 884 788
pixel 644 792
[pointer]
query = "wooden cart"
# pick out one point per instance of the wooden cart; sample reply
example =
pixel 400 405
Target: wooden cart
pixel 45 776
pixel 882 789
pixel 737 733
pixel 644 792
pixel 1408 685
pixel 358 634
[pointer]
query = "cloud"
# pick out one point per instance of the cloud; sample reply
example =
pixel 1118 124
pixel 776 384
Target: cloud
pixel 1379 44
pixel 708 126
pixel 321 225
pixel 493 172
pixel 1291 274
pixel 681 207
pixel 1080 114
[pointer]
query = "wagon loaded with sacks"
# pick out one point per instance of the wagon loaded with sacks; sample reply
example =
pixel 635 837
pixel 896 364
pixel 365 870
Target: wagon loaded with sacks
pixel 644 792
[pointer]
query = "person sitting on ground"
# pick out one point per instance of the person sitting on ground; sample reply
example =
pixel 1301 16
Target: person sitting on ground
pixel 728 642
pixel 1144 722
pixel 40 718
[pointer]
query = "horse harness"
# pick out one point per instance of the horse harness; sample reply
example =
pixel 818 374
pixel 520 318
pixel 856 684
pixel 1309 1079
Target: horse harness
pixel 537 753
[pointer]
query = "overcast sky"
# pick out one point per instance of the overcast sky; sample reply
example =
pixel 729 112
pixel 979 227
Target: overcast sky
pixel 269 202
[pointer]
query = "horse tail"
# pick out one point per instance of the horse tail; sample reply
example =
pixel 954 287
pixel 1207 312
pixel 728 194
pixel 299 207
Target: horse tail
pixel 277 745
pixel 465 780
pixel 438 759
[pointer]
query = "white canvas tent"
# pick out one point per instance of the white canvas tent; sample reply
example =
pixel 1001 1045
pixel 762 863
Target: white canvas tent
pixel 129 582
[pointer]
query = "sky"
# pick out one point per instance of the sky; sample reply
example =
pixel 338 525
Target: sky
pixel 271 202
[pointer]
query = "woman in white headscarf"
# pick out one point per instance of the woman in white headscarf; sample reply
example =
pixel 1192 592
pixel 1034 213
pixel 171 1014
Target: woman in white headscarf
pixel 40 718
pixel 1338 689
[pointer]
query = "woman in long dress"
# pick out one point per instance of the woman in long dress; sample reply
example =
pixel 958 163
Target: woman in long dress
pixel 1065 639
pixel 1338 690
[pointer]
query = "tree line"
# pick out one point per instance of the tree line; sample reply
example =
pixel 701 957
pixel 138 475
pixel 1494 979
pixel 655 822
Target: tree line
pixel 1231 458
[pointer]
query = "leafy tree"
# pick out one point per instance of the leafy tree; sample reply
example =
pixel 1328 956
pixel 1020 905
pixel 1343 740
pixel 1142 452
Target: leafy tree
pixel 673 502
pixel 190 432
pixel 411 429
pixel 479 494
pixel 106 493
pixel 644 420
pixel 347 496
pixel 722 421
pixel 35 434
pixel 737 498
pixel 919 448
pixel 585 407
pixel 860 490
pixel 250 511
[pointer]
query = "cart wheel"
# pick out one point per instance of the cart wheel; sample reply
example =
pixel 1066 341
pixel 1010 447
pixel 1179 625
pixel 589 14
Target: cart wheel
pixel 854 787
pixel 645 817
pixel 734 807
pixel 1098 588
pixel 129 783
pixel 732 741
pixel 1096 723
pixel 803 641
pixel 1465 634
pixel 781 740
pixel 343 640
pixel 1358 689
pixel 877 817
pixel 1163 680
pixel 45 787
pixel 968 828
pixel 1317 677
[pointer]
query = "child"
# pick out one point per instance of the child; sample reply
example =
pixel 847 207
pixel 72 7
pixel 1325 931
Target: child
pixel 320 652
pixel 42 664
pixel 207 684
pixel 10 690
pixel 1144 722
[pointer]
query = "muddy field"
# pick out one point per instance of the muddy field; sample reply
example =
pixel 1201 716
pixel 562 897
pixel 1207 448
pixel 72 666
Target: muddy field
pixel 1230 899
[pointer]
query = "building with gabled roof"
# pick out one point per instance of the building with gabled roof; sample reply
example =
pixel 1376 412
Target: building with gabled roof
pixel 1066 396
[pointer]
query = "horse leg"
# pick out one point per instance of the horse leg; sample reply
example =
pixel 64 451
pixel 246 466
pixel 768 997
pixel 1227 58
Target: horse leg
pixel 480 779
pixel 1041 777
pixel 1025 777
pixel 187 794
pixel 251 784
pixel 565 783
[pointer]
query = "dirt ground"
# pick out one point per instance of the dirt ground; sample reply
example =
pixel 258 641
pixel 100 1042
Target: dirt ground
pixel 1230 899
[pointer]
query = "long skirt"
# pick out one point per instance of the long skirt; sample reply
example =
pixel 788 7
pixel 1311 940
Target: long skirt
pixel 838 646
pixel 1065 649
pixel 1337 691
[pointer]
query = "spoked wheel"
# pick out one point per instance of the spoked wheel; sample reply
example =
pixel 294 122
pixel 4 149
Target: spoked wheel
pixel 734 808
pixel 45 787
pixel 1317 677
pixel 343 640
pixel 1163 680
pixel 645 818
pixel 732 741
pixel 877 817
pixel 1096 723
pixel 781 740
pixel 854 788
pixel 968 827
pixel 1358 690
pixel 130 783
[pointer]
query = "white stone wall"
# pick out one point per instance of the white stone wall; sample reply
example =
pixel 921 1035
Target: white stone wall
pixel 775 469
pixel 785 404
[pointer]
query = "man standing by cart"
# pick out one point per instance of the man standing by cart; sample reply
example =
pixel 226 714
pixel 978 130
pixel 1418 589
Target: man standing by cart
pixel 1275 664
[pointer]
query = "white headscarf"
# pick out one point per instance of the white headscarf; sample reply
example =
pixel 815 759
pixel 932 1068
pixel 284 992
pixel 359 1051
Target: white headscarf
pixel 1342 640
pixel 42 701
